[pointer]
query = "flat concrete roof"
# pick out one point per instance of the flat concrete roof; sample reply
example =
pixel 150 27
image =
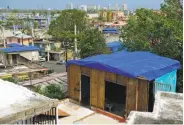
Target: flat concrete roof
pixel 19 103
pixel 168 109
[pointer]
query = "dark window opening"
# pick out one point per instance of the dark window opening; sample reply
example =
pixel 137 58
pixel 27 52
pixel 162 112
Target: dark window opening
pixel 85 90
pixel 115 98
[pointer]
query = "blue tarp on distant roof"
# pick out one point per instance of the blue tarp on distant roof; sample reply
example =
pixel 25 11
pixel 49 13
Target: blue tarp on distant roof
pixel 110 30
pixel 131 64
pixel 114 46
pixel 19 49
pixel 14 45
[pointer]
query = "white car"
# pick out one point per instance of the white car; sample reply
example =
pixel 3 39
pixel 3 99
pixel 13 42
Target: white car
pixel 42 59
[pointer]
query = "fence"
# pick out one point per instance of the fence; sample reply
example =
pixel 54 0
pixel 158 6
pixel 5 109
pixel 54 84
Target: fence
pixel 162 87
pixel 48 117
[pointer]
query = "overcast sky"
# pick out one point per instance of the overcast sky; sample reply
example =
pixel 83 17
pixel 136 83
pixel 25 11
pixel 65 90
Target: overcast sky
pixel 61 4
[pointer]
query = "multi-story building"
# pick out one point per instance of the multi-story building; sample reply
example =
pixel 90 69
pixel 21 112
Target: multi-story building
pixel 116 7
pixel 125 7
pixel 83 7
pixel 69 6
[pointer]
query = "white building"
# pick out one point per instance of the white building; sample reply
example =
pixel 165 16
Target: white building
pixel 83 7
pixel 125 7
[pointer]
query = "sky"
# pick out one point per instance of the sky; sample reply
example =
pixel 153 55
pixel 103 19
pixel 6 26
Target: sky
pixel 61 4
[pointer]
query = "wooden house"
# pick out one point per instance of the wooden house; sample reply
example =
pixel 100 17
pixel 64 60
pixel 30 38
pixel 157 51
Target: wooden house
pixel 117 83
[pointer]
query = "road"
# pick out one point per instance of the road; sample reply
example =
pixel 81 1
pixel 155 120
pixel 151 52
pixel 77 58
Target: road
pixel 57 68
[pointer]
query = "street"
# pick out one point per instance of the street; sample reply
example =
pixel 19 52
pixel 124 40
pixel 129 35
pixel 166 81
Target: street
pixel 57 68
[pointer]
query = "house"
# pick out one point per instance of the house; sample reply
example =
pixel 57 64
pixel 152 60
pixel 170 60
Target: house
pixel 44 45
pixel 22 106
pixel 52 50
pixel 16 37
pixel 120 82
pixel 19 38
pixel 18 54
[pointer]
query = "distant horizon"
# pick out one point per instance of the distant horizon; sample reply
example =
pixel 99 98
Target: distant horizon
pixel 60 5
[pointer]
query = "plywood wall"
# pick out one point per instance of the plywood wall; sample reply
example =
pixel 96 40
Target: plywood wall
pixel 137 89
pixel 74 78
pixel 142 95
pixel 97 88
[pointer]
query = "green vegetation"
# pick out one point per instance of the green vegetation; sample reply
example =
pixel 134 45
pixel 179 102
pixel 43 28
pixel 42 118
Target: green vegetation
pixel 63 27
pixel 10 79
pixel 52 91
pixel 159 32
pixel 92 43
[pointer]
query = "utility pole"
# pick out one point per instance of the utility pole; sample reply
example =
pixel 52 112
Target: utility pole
pixel 75 43
pixel 32 32
pixel 3 37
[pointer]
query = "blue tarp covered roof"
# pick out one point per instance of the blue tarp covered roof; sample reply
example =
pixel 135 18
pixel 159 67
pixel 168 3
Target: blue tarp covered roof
pixel 110 30
pixel 130 64
pixel 20 49
pixel 14 45
pixel 114 46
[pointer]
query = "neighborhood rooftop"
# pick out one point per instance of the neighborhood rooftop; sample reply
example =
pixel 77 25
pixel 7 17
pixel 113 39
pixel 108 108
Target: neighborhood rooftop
pixel 20 49
pixel 131 64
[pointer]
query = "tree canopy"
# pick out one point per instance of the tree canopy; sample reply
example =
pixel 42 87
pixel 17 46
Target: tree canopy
pixel 63 27
pixel 92 43
pixel 158 31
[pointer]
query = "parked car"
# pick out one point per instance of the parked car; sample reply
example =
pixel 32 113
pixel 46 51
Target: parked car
pixel 42 59
pixel 61 62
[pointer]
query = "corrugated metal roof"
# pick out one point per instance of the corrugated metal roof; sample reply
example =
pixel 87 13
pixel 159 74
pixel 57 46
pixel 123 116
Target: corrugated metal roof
pixel 19 49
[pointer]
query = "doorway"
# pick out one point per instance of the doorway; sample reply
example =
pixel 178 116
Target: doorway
pixel 85 90
pixel 151 96
pixel 115 98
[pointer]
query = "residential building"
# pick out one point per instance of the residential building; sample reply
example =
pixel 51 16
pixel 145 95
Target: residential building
pixel 52 50
pixel 16 37
pixel 16 54
pixel 83 7
pixel 109 7
pixel 125 7
pixel 124 75
pixel 116 7
pixel 69 6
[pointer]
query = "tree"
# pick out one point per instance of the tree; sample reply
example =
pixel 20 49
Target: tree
pixel 53 91
pixel 92 43
pixel 63 27
pixel 35 23
pixel 13 21
pixel 159 31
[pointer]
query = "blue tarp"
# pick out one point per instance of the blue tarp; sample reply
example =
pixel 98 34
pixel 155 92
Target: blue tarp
pixel 130 64
pixel 114 46
pixel 111 30
pixel 14 45
pixel 19 49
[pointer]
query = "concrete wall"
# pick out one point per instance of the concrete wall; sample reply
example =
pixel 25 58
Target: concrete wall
pixel 32 55
pixel 11 40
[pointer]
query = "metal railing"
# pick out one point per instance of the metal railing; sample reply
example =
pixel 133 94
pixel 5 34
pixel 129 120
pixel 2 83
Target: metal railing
pixel 48 117
pixel 162 87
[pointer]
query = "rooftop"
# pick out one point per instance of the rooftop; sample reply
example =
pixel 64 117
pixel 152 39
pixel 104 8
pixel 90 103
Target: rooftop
pixel 19 49
pixel 168 109
pixel 19 103
pixel 131 64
